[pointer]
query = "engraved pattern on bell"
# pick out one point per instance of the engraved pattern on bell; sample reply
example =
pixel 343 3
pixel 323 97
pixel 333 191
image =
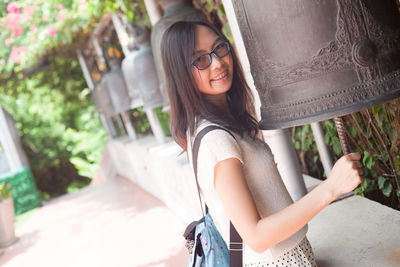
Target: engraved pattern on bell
pixel 315 60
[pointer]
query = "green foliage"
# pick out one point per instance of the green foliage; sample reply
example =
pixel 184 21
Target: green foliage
pixel 375 134
pixel 142 125
pixel 5 191
pixel 58 124
pixel 55 117
pixel 164 120
pixel 140 122
pixel 303 138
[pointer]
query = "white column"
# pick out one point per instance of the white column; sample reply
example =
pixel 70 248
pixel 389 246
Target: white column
pixel 106 121
pixel 155 125
pixel 153 10
pixel 323 151
pixel 108 125
pixel 155 14
pixel 278 140
pixel 14 159
pixel 121 33
pixel 128 124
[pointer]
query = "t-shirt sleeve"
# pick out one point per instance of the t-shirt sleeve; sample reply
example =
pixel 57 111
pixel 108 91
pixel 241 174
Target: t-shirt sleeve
pixel 215 146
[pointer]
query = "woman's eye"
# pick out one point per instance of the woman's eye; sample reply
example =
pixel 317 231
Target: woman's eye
pixel 221 49
pixel 196 61
pixel 203 59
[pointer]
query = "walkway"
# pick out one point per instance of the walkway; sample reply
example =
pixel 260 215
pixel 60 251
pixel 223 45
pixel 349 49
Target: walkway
pixel 111 224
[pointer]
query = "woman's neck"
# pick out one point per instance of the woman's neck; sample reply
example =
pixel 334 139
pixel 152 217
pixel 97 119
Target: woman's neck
pixel 220 102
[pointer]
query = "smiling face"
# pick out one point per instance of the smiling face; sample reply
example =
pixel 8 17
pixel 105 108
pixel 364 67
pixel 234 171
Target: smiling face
pixel 217 78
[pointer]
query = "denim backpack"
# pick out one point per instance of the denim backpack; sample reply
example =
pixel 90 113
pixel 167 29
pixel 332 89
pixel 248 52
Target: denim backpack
pixel 206 245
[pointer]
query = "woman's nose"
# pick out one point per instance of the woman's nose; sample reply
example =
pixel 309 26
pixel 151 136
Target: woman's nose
pixel 216 61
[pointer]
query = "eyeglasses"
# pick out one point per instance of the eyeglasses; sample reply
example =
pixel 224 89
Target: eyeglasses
pixel 203 61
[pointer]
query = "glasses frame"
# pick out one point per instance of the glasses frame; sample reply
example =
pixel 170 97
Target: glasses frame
pixel 210 53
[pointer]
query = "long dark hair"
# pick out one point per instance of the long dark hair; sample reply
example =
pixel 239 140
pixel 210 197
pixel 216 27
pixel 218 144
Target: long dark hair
pixel 188 104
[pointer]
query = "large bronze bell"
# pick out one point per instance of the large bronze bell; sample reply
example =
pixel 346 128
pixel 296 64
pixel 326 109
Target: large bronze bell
pixel 316 59
pixel 140 71
pixel 175 10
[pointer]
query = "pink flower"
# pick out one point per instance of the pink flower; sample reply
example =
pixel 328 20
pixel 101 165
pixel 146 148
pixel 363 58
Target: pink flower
pixel 81 6
pixel 12 20
pixel 8 41
pixel 52 31
pixel 61 17
pixel 1 62
pixel 33 40
pixel 60 6
pixel 28 11
pixel 17 30
pixel 33 28
pixel 44 19
pixel 17 53
pixel 12 7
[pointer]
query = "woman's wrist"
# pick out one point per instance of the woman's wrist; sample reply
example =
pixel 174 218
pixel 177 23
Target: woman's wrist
pixel 327 192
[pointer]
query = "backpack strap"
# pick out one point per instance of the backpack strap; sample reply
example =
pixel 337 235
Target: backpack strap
pixel 236 243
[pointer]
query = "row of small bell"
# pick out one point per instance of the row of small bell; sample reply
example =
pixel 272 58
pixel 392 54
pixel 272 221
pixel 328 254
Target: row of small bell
pixel 133 83
pixel 139 80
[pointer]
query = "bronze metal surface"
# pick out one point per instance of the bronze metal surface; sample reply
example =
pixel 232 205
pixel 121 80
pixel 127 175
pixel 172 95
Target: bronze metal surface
pixel 313 60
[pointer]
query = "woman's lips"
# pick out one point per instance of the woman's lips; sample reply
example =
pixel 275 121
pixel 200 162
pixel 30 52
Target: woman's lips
pixel 223 76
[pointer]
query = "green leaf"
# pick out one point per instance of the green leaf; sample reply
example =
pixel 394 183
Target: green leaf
pixel 297 145
pixel 368 160
pixel 398 193
pixel 387 189
pixel 375 109
pixel 381 182
pixel 327 138
pixel 353 131
pixel 359 191
pixel 336 146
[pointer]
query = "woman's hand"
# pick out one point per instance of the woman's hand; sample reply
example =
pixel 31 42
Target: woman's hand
pixel 345 175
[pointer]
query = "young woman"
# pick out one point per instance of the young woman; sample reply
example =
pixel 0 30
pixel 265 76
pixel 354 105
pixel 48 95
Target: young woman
pixel 238 177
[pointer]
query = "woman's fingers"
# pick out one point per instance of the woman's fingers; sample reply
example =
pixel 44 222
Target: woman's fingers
pixel 354 156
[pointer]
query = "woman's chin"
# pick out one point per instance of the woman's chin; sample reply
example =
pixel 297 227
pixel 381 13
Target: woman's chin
pixel 221 86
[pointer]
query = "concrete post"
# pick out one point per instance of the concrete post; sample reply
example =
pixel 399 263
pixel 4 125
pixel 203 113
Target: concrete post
pixel 278 140
pixel 14 156
pixel 323 151
pixel 155 125
pixel 120 123
pixel 106 121
pixel 121 33
pixel 128 125
pixel 153 10
pixel 155 14
pixel 108 125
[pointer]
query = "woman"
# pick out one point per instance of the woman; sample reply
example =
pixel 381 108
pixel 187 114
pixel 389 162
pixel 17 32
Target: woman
pixel 238 176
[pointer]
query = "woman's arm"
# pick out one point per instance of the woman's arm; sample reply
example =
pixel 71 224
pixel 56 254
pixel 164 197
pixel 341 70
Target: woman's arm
pixel 260 234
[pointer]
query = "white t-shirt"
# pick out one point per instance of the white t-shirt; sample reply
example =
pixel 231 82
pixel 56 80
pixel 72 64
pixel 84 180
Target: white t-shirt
pixel 263 179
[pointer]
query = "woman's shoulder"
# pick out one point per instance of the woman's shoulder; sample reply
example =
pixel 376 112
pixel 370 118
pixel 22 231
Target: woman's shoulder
pixel 221 132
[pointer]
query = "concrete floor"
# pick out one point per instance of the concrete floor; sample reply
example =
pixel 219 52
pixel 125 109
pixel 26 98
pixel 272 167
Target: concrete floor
pixel 117 223
pixel 111 224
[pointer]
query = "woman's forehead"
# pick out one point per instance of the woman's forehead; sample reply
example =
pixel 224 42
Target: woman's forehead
pixel 205 38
